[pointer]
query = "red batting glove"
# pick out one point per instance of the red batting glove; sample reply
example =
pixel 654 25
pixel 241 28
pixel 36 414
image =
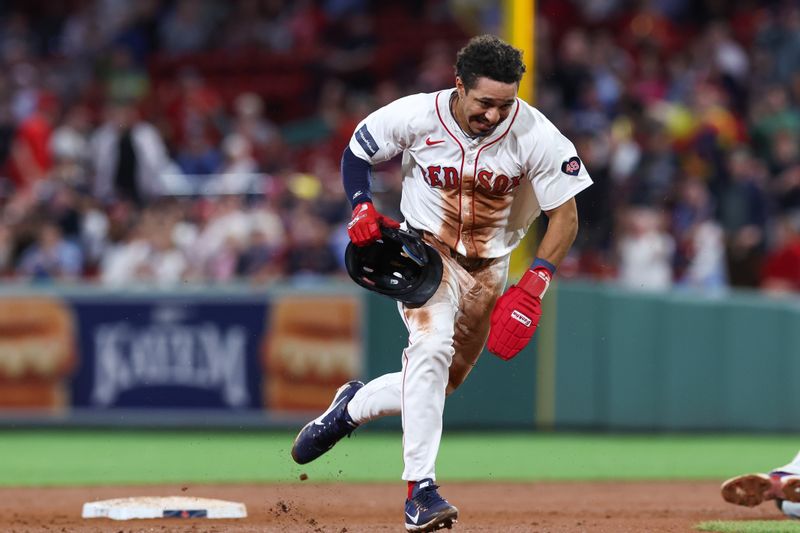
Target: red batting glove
pixel 516 314
pixel 365 227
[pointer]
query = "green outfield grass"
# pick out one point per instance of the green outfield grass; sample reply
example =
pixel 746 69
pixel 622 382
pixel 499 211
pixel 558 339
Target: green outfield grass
pixel 74 457
pixel 750 526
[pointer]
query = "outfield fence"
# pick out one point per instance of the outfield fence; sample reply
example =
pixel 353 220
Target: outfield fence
pixel 242 356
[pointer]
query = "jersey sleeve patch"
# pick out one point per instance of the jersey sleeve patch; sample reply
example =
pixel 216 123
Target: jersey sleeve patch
pixel 571 166
pixel 367 142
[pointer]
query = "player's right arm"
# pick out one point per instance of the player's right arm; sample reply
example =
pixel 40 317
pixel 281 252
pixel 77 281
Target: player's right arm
pixel 379 137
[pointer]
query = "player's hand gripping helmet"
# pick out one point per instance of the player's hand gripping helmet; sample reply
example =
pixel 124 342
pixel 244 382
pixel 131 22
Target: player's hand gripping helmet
pixel 400 265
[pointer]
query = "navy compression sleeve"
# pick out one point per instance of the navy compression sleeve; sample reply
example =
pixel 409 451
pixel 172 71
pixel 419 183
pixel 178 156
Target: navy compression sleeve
pixel 356 174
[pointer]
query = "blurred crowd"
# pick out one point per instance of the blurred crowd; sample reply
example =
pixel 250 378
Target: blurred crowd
pixel 166 142
pixel 687 115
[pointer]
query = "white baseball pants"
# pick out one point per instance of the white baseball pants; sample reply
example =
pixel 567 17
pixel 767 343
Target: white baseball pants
pixel 445 338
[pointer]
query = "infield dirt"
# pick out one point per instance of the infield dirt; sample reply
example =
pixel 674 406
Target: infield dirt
pixel 613 507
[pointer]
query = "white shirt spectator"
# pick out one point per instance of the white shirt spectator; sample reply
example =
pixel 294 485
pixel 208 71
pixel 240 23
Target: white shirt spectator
pixel 645 253
pixel 152 159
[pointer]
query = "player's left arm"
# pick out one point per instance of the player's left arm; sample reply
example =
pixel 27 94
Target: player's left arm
pixel 517 312
pixel 562 228
pixel 557 175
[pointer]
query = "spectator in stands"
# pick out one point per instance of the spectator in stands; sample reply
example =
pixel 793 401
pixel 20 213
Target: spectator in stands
pixel 351 50
pixel 773 115
pixel 69 146
pixel 572 70
pixel 785 182
pixel 645 250
pixel 198 156
pixel 781 272
pixel 225 231
pixel 263 135
pixel 51 257
pixel 699 258
pixel 83 34
pixel 262 249
pixel 94 233
pixel 705 250
pixel 310 253
pixel 744 209
pixel 261 259
pixel 436 71
pixel 186 27
pixel 650 85
pixel 30 159
pixel 124 79
pixel 193 108
pixel 238 155
pixel 222 266
pixel 128 156
pixel 593 245
pixel 656 170
pixel 672 97
pixel 307 25
pixel 256 25
pixel 779 38
pixel 148 254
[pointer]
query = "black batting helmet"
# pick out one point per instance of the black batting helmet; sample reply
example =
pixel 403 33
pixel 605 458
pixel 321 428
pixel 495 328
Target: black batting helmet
pixel 400 265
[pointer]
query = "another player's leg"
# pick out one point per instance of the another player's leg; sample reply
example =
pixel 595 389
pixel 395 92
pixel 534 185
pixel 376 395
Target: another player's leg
pixel 781 484
pixel 322 433
pixel 790 480
pixel 790 509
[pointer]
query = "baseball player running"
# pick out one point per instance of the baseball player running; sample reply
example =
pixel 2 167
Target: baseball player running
pixel 479 166
pixel 781 485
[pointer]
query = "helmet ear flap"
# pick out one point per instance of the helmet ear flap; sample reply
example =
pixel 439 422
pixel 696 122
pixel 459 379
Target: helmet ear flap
pixel 399 265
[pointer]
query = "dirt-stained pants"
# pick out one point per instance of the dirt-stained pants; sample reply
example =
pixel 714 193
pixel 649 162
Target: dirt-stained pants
pixel 445 338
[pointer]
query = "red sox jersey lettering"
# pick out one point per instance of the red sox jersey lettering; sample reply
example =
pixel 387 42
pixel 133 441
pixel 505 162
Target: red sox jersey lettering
pixel 478 195
pixel 448 178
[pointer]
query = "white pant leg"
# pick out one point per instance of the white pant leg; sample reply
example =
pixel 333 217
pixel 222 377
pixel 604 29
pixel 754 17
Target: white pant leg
pixel 791 468
pixel 418 391
pixel 426 363
pixel 380 397
pixel 383 395
pixel 425 374
pixel 790 509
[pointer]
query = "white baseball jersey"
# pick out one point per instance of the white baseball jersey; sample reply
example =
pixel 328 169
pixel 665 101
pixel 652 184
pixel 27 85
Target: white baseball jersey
pixel 479 195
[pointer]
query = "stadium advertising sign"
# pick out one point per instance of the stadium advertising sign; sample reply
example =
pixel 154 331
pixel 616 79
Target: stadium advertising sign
pixel 182 354
pixel 163 358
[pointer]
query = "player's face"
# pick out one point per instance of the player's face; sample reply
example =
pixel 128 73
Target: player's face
pixel 486 105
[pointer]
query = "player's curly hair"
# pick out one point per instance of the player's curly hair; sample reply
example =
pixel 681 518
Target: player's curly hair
pixel 490 57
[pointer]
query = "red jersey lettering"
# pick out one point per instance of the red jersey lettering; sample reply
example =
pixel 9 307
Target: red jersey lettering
pixel 451 179
pixel 484 180
pixel 433 176
pixel 500 184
